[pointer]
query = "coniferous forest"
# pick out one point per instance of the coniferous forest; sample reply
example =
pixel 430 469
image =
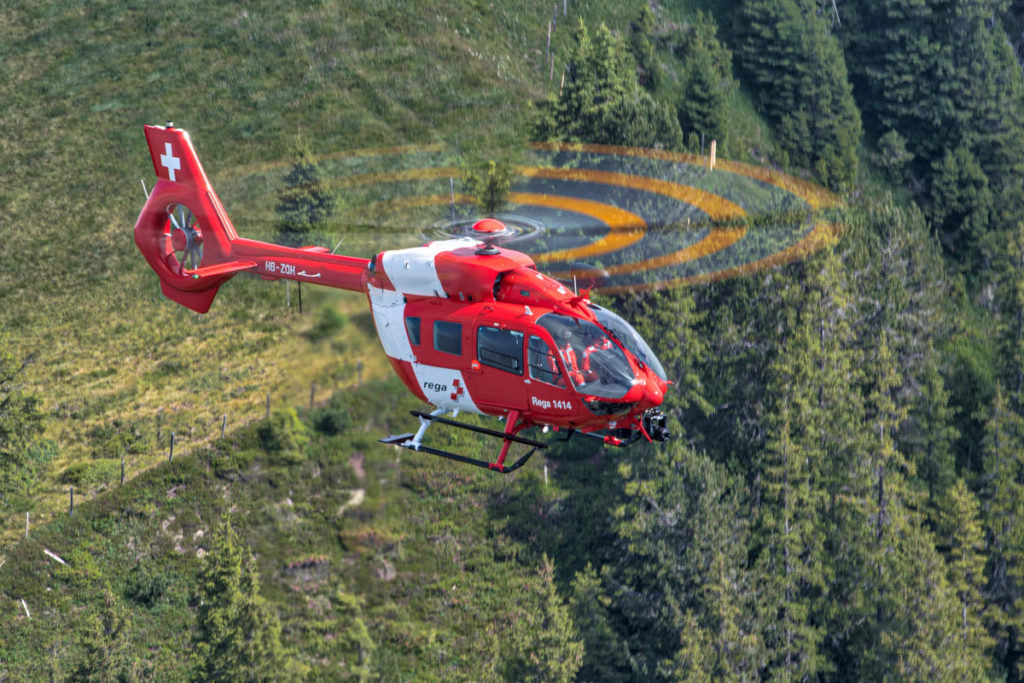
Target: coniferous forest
pixel 843 498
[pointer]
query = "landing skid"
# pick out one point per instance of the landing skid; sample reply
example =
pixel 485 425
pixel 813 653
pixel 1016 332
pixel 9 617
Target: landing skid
pixel 414 441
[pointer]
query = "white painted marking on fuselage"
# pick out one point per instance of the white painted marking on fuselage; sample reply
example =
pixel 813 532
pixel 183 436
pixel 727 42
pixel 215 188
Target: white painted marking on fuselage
pixel 444 387
pixel 388 308
pixel 412 271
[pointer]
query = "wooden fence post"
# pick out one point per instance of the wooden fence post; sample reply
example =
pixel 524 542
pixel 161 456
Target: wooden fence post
pixel 170 456
pixel 71 503
pixel 223 425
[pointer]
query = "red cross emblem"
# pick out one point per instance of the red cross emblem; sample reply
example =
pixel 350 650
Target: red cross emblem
pixel 459 390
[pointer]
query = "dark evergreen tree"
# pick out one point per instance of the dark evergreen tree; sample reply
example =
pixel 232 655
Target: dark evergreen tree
pixel 544 644
pixel 894 157
pixel 793 497
pixel 1002 496
pixel 238 636
pixel 641 46
pixel 798 75
pixel 942 73
pixel 681 556
pixel 490 188
pixel 602 102
pixel 707 82
pixel 963 540
pixel 604 653
pixel 812 425
pixel 305 204
pixel 1009 271
pixel 901 291
pixel 898 609
pixel 961 202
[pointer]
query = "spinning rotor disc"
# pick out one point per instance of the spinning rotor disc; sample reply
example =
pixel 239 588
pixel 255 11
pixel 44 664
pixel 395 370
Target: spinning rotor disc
pixel 615 219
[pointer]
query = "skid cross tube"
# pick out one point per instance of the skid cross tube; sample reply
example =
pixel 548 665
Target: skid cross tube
pixel 481 430
pixel 412 443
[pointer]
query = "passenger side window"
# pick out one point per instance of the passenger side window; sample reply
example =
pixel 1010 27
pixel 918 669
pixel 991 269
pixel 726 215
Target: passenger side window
pixel 448 337
pixel 502 349
pixel 412 326
pixel 543 363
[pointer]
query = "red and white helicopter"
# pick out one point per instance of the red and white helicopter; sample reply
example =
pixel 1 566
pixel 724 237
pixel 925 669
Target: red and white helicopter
pixel 467 325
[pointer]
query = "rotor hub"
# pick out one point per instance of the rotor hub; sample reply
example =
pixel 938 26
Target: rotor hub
pixel 185 238
pixel 489 227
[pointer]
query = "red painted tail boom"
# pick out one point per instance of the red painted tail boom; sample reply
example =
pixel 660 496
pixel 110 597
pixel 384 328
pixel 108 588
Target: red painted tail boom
pixel 185 234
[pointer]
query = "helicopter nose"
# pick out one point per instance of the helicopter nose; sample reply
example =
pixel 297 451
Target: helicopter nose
pixel 654 390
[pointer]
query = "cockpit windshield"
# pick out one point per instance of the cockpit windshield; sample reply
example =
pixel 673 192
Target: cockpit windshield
pixel 630 338
pixel 595 364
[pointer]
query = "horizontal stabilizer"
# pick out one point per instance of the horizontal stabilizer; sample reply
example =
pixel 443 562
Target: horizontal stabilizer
pixel 223 268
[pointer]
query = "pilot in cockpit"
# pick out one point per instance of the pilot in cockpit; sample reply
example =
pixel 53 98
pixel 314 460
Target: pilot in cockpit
pixel 570 358
pixel 597 342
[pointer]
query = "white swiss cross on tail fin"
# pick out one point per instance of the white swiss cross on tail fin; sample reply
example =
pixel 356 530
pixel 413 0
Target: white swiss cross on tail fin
pixel 174 158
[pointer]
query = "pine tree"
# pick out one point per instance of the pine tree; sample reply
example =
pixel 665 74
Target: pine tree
pixel 641 33
pixel 960 526
pixel 792 546
pixel 602 102
pixel 238 635
pixel 798 74
pixel 900 291
pixel 943 74
pixel 812 412
pixel 961 202
pixel 902 611
pixel 604 657
pixel 681 550
pixel 1010 302
pixel 544 645
pixel 305 204
pixel 1002 494
pixel 707 82
pixel 490 189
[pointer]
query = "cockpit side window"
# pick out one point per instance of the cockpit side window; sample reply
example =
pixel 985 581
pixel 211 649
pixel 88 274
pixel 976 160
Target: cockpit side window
pixel 543 363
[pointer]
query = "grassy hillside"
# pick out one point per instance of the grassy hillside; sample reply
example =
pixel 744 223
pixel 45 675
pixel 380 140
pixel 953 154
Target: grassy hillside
pixel 116 363
pixel 402 532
